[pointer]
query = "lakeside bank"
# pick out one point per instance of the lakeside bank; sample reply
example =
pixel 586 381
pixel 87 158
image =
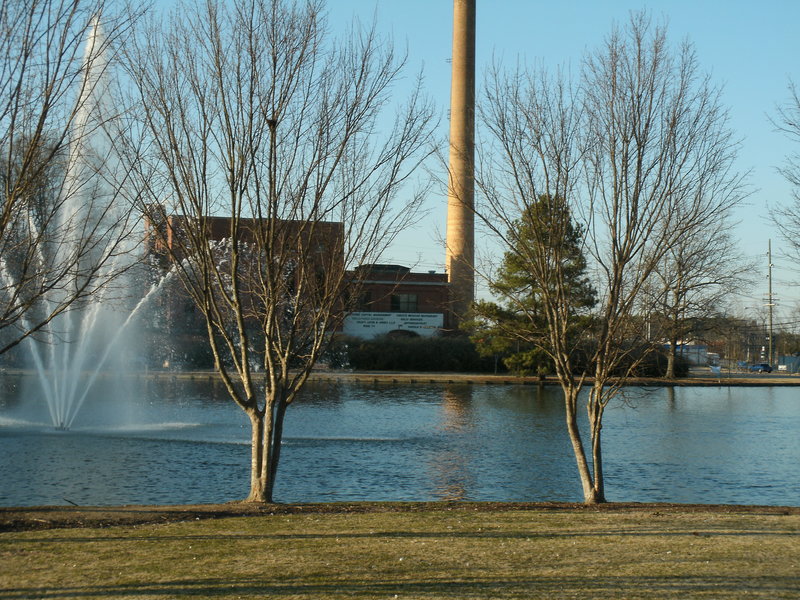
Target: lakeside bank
pixel 398 377
pixel 697 378
pixel 28 518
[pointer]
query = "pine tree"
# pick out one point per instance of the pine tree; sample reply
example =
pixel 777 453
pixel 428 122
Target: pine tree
pixel 515 327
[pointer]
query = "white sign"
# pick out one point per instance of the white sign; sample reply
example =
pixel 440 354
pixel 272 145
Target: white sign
pixel 372 324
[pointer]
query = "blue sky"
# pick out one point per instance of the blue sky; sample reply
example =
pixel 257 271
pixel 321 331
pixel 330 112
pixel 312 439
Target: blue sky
pixel 751 49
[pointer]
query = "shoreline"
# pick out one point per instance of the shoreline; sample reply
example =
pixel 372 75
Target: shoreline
pixel 727 380
pixel 696 379
pixel 33 518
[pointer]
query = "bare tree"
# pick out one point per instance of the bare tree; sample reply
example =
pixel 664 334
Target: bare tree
pixel 787 216
pixel 694 283
pixel 51 256
pixel 271 170
pixel 639 151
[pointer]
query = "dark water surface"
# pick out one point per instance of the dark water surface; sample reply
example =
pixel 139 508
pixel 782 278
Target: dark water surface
pixel 187 443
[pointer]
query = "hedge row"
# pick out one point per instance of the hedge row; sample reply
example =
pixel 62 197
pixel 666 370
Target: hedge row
pixel 449 354
pixel 452 354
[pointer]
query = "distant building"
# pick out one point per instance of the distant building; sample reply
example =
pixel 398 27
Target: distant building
pixel 163 234
pixel 693 352
pixel 179 324
pixel 398 302
pixel 392 300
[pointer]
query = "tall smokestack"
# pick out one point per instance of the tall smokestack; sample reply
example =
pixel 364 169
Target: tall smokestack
pixel 460 257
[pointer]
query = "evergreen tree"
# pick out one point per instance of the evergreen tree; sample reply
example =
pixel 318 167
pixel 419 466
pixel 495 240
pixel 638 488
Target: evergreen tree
pixel 515 327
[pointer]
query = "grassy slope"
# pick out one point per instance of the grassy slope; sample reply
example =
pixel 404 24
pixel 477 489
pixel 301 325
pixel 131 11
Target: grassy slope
pixel 425 553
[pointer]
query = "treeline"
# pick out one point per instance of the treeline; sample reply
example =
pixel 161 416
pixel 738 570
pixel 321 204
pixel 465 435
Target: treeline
pixel 458 354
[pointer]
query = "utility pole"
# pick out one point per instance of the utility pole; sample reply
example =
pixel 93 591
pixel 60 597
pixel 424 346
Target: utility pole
pixel 770 300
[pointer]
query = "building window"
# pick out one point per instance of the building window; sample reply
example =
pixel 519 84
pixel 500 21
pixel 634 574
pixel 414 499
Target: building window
pixel 365 301
pixel 404 303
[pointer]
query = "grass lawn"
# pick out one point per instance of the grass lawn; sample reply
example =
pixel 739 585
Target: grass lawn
pixel 450 552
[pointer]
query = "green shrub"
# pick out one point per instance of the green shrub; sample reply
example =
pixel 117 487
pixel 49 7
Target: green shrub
pixel 458 354
pixel 440 353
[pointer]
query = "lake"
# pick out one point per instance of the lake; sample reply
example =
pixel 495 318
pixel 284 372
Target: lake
pixel 182 442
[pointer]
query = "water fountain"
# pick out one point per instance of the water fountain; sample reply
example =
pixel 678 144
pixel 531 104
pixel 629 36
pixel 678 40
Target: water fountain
pixel 94 224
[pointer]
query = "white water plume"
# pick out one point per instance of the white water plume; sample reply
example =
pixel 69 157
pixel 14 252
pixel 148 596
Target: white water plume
pixel 94 238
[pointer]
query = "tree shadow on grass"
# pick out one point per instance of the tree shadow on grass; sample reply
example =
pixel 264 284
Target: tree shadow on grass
pixel 432 587
pixel 442 536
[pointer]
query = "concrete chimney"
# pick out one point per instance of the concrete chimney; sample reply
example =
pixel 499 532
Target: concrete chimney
pixel 460 244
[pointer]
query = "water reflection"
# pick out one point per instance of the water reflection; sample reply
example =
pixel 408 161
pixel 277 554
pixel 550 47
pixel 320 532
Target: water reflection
pixel 183 441
pixel 449 466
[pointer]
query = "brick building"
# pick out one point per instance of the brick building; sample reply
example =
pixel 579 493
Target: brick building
pixel 396 301
pixel 392 299
pixel 163 234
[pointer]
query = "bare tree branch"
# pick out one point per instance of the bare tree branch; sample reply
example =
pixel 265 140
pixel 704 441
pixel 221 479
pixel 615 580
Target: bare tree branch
pixel 640 153
pixel 51 168
pixel 786 215
pixel 268 159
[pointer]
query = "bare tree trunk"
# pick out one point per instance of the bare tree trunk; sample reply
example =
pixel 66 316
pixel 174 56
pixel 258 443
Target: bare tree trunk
pixel 596 410
pixel 673 350
pixel 258 449
pixel 275 447
pixel 584 472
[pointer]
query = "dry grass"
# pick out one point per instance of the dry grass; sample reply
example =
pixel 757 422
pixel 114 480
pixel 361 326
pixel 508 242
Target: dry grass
pixel 421 554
